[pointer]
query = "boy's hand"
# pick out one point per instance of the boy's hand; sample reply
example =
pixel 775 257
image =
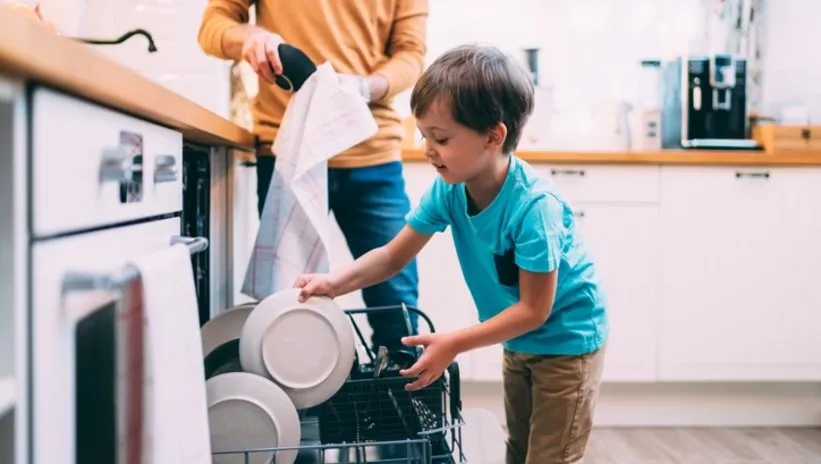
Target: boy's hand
pixel 440 351
pixel 315 284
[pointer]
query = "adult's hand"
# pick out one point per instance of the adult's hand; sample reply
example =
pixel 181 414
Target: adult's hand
pixel 260 50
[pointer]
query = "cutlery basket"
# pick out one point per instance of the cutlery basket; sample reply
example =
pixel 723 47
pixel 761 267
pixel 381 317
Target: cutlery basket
pixel 377 408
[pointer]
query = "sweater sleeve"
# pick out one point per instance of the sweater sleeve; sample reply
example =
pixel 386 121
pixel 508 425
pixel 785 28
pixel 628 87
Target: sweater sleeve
pixel 218 16
pixel 407 47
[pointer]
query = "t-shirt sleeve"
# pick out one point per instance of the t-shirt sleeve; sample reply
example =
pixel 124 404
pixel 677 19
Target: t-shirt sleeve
pixel 537 240
pixel 431 215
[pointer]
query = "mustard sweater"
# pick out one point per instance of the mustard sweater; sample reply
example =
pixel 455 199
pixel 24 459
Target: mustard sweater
pixel 364 37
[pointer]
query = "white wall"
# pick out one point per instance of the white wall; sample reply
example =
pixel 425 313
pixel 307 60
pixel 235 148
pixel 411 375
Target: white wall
pixel 179 63
pixel 792 67
pixel 590 48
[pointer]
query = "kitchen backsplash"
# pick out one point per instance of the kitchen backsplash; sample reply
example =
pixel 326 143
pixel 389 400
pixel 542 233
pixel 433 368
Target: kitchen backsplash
pixel 178 63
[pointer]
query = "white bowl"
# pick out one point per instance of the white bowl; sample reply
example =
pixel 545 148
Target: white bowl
pixel 246 411
pixel 306 348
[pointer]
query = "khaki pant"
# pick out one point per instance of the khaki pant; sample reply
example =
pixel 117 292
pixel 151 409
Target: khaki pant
pixel 549 403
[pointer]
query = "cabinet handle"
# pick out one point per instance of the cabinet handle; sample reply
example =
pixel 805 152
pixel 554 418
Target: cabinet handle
pixel 578 214
pixel 755 175
pixel 165 168
pixel 567 172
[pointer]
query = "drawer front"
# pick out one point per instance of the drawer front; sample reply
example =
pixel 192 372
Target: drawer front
pixel 92 166
pixel 605 184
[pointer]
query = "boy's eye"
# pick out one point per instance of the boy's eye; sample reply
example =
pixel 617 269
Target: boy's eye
pixel 437 141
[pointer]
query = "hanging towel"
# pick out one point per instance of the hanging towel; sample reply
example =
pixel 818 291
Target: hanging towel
pixel 322 119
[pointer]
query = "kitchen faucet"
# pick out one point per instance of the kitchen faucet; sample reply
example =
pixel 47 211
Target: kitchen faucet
pixel 151 46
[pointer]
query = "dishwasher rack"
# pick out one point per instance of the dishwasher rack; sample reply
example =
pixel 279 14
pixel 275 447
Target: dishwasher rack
pixel 373 419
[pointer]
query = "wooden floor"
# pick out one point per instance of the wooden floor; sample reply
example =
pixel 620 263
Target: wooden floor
pixel 705 446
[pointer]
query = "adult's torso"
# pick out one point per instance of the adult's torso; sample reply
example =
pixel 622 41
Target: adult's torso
pixel 353 36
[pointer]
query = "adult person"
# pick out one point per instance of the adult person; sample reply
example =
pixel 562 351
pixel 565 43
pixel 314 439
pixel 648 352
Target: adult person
pixel 380 47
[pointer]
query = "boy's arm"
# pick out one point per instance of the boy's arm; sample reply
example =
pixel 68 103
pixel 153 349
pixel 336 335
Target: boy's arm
pixel 537 291
pixel 380 263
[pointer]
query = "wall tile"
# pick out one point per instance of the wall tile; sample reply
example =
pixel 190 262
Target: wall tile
pixel 179 63
pixel 791 68
pixel 590 48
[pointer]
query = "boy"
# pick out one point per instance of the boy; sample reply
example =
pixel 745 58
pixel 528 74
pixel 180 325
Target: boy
pixel 534 285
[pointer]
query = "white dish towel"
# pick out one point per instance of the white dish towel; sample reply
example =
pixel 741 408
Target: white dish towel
pixel 176 409
pixel 322 119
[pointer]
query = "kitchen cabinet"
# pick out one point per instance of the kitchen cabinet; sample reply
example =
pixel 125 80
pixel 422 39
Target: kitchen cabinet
pixel 606 184
pixel 741 261
pixel 623 240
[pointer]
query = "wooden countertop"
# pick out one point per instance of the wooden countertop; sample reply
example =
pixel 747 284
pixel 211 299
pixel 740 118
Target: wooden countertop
pixel 668 157
pixel 30 52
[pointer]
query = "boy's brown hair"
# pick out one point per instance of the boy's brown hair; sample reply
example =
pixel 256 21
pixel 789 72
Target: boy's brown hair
pixel 483 87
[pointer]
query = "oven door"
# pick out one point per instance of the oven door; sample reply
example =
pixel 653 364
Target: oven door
pixel 87 350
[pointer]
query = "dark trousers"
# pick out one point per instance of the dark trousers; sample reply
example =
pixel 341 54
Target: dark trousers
pixel 369 205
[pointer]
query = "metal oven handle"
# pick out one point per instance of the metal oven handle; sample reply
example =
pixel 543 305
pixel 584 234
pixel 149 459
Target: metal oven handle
pixel 84 281
pixel 165 169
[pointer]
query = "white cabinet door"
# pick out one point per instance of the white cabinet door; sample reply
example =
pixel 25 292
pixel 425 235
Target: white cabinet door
pixel 443 294
pixel 741 262
pixel 601 183
pixel 623 240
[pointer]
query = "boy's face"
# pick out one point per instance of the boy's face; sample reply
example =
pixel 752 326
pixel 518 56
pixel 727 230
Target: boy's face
pixel 458 153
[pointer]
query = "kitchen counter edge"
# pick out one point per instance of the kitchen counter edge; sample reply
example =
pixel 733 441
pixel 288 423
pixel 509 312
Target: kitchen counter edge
pixel 32 53
pixel 661 157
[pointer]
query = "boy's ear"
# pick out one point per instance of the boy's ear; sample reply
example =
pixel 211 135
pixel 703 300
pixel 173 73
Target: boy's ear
pixel 497 135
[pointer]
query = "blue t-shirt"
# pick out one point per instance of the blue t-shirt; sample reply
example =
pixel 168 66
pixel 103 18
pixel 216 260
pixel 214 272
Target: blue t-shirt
pixel 529 226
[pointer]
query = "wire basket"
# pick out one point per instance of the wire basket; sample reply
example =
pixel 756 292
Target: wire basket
pixel 417 451
pixel 371 408
pixel 373 419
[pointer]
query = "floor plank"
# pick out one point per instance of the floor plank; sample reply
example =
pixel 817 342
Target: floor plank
pixel 705 446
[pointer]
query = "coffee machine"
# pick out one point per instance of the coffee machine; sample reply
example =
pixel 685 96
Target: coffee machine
pixel 704 103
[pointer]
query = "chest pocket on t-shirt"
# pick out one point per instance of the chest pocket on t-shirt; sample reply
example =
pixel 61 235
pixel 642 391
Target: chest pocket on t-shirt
pixel 506 269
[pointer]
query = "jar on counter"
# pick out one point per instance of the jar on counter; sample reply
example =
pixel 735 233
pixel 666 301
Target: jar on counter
pixel 647 110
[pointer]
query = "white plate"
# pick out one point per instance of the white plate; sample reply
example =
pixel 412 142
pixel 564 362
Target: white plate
pixel 220 340
pixel 246 411
pixel 306 348
pixel 224 327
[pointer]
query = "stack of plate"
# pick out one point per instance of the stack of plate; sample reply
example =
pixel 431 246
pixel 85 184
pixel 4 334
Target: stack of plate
pixel 265 361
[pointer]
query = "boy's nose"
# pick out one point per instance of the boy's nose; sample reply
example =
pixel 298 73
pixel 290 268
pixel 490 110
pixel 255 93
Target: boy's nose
pixel 429 151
